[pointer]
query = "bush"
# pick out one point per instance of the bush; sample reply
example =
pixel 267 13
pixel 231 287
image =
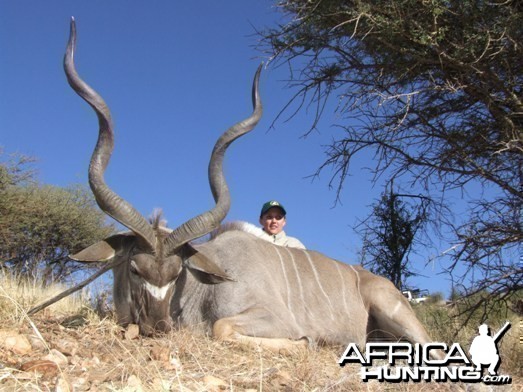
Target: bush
pixel 41 224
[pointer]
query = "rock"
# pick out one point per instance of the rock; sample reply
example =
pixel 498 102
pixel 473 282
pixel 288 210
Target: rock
pixel 281 379
pixel 95 360
pixel 62 385
pixel 45 367
pixel 13 341
pixel 161 385
pixel 214 384
pixel 132 332
pixel 37 343
pixel 81 384
pixel 159 353
pixel 67 347
pixel 134 384
pixel 56 357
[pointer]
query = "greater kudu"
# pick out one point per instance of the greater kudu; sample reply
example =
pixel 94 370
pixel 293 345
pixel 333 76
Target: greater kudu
pixel 236 285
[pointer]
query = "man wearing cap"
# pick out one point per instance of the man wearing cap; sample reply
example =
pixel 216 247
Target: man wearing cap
pixel 272 219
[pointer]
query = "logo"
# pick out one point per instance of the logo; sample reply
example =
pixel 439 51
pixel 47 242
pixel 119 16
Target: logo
pixel 431 362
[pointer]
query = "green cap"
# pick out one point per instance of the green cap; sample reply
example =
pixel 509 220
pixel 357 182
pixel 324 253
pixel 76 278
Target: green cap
pixel 271 204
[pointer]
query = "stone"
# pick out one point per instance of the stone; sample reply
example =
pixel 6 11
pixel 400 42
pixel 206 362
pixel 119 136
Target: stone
pixel 132 332
pixel 45 367
pixel 13 341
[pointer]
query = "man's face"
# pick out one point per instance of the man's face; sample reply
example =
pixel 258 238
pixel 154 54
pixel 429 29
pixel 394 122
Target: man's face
pixel 273 221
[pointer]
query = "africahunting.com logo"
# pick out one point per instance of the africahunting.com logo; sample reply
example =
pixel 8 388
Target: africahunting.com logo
pixel 455 366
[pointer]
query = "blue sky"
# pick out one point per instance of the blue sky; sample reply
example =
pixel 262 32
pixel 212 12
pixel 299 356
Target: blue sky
pixel 175 74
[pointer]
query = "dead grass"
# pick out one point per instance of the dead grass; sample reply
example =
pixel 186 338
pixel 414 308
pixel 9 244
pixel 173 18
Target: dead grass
pixel 19 295
pixel 94 354
pixel 443 325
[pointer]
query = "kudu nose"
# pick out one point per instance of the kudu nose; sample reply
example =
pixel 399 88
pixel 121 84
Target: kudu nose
pixel 163 326
pixel 159 326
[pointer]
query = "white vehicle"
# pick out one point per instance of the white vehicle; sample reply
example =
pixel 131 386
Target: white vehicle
pixel 416 295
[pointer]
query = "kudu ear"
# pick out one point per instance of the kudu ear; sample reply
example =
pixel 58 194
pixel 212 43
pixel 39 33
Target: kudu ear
pixel 104 250
pixel 203 268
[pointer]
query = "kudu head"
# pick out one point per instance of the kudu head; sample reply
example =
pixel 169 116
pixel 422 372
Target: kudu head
pixel 148 259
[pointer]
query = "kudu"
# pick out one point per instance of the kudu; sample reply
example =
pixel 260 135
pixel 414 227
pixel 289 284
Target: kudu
pixel 236 285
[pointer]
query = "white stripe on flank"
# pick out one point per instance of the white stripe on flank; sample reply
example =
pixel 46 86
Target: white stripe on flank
pixel 359 290
pixel 289 306
pixel 299 281
pixel 396 308
pixel 284 277
pixel 157 292
pixel 343 288
pixel 319 283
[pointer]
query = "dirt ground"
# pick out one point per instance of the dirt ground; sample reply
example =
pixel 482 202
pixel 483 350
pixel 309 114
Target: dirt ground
pixel 78 353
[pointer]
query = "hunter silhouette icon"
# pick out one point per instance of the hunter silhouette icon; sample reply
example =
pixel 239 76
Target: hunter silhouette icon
pixel 484 350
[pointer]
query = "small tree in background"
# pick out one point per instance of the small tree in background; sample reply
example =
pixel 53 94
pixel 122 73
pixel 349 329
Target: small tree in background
pixel 390 234
pixel 40 225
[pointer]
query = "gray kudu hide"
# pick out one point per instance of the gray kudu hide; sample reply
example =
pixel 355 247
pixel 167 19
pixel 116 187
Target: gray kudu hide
pixel 235 286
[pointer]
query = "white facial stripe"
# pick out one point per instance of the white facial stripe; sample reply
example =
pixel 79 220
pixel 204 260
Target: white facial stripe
pixel 157 292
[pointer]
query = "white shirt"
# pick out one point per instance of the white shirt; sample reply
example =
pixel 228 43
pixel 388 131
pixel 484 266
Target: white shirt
pixel 282 239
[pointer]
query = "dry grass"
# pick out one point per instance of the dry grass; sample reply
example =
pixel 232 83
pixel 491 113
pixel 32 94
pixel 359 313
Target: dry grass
pixel 19 295
pixel 97 355
pixel 444 325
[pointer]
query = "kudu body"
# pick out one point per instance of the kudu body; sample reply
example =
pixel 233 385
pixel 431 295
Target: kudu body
pixel 236 285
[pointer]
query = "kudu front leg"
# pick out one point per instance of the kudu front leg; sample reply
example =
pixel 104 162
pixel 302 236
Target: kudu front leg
pixel 254 331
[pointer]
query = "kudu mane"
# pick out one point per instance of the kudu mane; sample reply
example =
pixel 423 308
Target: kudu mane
pixel 236 226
